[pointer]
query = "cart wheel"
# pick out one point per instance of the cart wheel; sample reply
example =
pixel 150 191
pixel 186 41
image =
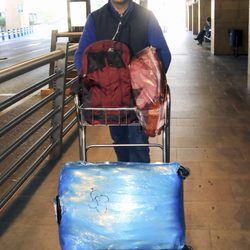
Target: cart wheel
pixel 186 247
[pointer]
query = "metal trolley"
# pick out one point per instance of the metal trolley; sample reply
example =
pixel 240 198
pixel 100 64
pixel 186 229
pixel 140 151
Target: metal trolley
pixel 164 146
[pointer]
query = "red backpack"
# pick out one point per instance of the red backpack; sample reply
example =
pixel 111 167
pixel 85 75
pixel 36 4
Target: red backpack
pixel 106 82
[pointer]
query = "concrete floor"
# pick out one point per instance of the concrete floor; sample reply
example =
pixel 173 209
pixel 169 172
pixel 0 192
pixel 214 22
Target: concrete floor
pixel 210 134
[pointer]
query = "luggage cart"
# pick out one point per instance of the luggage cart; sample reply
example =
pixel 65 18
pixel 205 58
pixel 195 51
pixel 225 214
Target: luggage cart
pixel 69 177
pixel 164 146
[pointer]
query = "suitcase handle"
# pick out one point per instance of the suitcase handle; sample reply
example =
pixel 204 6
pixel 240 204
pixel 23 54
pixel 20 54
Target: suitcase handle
pixel 58 210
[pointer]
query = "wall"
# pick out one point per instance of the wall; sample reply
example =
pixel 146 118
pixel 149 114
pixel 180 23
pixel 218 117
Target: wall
pixel 189 11
pixel 195 19
pixel 248 82
pixel 226 15
pixel 204 12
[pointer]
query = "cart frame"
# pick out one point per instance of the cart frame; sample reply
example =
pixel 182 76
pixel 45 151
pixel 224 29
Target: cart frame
pixel 82 125
pixel 164 146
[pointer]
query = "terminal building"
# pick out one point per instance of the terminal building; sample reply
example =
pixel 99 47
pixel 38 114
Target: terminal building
pixel 207 126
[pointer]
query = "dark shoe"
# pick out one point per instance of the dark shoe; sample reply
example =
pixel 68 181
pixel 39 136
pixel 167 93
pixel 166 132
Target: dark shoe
pixel 199 43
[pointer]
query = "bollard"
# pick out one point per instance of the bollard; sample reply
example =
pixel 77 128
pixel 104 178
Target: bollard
pixel 9 34
pixel 21 31
pixel 14 33
pixel 3 35
pixel 18 32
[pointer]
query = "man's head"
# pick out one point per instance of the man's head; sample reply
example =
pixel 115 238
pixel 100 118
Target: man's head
pixel 119 1
pixel 120 5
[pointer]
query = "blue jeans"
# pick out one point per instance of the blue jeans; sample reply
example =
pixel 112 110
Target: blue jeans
pixel 128 135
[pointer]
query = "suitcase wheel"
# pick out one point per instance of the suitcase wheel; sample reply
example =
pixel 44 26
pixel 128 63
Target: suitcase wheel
pixel 183 172
pixel 186 247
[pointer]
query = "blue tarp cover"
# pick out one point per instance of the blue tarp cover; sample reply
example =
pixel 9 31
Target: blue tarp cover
pixel 121 206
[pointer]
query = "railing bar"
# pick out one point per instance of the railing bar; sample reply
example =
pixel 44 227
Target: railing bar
pixel 72 48
pixel 27 113
pixel 28 133
pixel 68 99
pixel 69 34
pixel 26 155
pixel 12 100
pixel 70 67
pixel 72 81
pixel 23 178
pixel 69 113
pixel 24 67
pixel 69 126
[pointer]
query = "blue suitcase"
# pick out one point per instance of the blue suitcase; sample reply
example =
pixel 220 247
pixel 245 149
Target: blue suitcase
pixel 121 206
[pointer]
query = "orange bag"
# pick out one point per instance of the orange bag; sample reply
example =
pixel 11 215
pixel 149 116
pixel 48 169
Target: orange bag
pixel 149 88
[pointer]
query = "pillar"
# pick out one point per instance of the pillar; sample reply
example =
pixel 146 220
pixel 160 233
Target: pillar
pixel 204 12
pixel 16 14
pixel 248 79
pixel 195 18
pixel 190 17
pixel 226 15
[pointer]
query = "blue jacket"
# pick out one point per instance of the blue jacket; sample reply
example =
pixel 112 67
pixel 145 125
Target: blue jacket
pixel 155 37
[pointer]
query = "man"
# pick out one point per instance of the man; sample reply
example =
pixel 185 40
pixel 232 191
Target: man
pixel 127 22
pixel 205 32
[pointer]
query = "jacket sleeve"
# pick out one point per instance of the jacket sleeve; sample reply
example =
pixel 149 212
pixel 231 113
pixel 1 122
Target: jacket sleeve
pixel 88 36
pixel 157 40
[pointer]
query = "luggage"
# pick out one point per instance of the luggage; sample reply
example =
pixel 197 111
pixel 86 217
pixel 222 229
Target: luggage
pixel 121 206
pixel 106 82
pixel 149 88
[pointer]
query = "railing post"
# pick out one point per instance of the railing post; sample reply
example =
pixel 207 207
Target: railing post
pixel 59 84
pixel 52 48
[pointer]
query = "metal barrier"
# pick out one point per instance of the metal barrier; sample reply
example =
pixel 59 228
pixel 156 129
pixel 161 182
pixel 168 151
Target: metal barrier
pixel 57 115
pixel 54 38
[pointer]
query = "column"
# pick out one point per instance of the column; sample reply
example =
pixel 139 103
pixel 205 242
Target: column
pixel 204 12
pixel 16 14
pixel 195 18
pixel 248 79
pixel 227 15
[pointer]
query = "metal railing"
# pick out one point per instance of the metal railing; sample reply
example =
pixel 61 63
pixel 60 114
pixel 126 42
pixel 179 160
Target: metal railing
pixel 56 116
